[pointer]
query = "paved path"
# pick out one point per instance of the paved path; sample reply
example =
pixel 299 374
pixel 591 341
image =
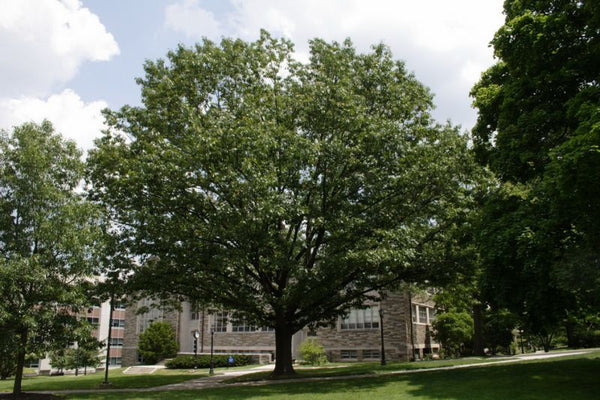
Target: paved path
pixel 217 380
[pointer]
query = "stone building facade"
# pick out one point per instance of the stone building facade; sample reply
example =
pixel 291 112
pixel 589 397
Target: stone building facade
pixel 406 331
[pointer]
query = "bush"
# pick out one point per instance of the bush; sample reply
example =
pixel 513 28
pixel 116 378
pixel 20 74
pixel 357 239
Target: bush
pixel 453 330
pixel 203 361
pixel 312 352
pixel 157 342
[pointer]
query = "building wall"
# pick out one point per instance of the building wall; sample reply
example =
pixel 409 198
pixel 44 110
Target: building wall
pixel 339 343
pixel 136 323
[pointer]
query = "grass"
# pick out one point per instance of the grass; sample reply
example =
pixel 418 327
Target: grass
pixel 363 368
pixel 93 381
pixel 550 379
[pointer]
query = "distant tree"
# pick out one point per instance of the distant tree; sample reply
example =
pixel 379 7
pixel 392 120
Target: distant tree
pixel 288 192
pixel 453 329
pixel 46 238
pixel 157 342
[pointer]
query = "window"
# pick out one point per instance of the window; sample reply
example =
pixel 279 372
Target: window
pixel 267 329
pixel 115 361
pixel 194 315
pixel 414 313
pixel 422 315
pixel 153 314
pixel 241 325
pixel 94 321
pixel 431 311
pixel 367 318
pixel 116 341
pixel 220 321
pixel 118 323
pixel 372 354
pixel 348 354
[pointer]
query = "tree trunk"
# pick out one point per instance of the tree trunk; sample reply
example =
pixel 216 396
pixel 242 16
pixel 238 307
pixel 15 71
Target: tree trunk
pixel 283 351
pixel 20 361
pixel 477 330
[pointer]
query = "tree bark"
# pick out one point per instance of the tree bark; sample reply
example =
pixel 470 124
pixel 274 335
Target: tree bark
pixel 477 330
pixel 283 351
pixel 20 361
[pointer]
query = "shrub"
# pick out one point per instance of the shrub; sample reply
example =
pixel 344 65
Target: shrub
pixel 203 361
pixel 157 342
pixel 312 352
pixel 453 330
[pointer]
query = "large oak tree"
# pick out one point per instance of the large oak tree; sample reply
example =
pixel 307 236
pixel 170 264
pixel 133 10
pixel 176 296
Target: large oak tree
pixel 286 191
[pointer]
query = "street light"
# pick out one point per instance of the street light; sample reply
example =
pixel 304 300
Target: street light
pixel 196 335
pixel 381 328
pixel 211 371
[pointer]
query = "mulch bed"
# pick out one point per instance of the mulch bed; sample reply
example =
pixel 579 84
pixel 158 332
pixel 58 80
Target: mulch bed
pixel 29 396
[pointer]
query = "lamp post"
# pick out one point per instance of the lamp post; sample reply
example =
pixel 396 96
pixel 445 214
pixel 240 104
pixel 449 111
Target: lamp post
pixel 196 335
pixel 211 371
pixel 381 328
pixel 108 340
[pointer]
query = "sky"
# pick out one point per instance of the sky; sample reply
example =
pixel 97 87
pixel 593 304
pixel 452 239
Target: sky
pixel 66 60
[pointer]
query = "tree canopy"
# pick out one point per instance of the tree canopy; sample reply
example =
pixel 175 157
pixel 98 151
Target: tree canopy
pixel 46 239
pixel 286 191
pixel 537 129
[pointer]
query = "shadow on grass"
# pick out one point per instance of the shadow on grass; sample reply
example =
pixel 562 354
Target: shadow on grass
pixel 548 380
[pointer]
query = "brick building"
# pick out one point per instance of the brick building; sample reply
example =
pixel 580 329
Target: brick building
pixel 406 329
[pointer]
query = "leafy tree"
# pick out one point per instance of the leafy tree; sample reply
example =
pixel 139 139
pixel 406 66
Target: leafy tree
pixel 288 192
pixel 157 342
pixel 538 131
pixel 453 329
pixel 46 238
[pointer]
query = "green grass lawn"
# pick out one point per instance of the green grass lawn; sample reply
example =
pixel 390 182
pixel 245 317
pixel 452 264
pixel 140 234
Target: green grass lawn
pixel 93 381
pixel 363 368
pixel 552 379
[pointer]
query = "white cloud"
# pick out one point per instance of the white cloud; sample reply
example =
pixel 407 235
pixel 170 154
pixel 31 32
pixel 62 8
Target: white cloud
pixel 442 41
pixel 44 43
pixel 70 115
pixel 192 20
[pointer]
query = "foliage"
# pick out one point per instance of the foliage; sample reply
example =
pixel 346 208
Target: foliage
pixel 538 130
pixel 499 326
pixel 301 190
pixel 453 330
pixel 8 354
pixel 203 361
pixel 157 342
pixel 47 237
pixel 312 352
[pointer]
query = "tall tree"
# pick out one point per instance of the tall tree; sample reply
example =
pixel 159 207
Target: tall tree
pixel 538 131
pixel 288 192
pixel 46 238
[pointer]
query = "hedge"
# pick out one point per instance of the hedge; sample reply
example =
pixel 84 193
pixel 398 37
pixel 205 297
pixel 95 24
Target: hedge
pixel 203 361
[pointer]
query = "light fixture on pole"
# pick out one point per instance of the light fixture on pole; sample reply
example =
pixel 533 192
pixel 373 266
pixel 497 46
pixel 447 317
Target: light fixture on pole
pixel 196 335
pixel 211 371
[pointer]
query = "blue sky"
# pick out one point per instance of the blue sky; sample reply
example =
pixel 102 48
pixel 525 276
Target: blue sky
pixel 65 60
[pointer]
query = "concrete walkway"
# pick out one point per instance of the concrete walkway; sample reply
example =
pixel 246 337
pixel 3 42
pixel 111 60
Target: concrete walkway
pixel 218 380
